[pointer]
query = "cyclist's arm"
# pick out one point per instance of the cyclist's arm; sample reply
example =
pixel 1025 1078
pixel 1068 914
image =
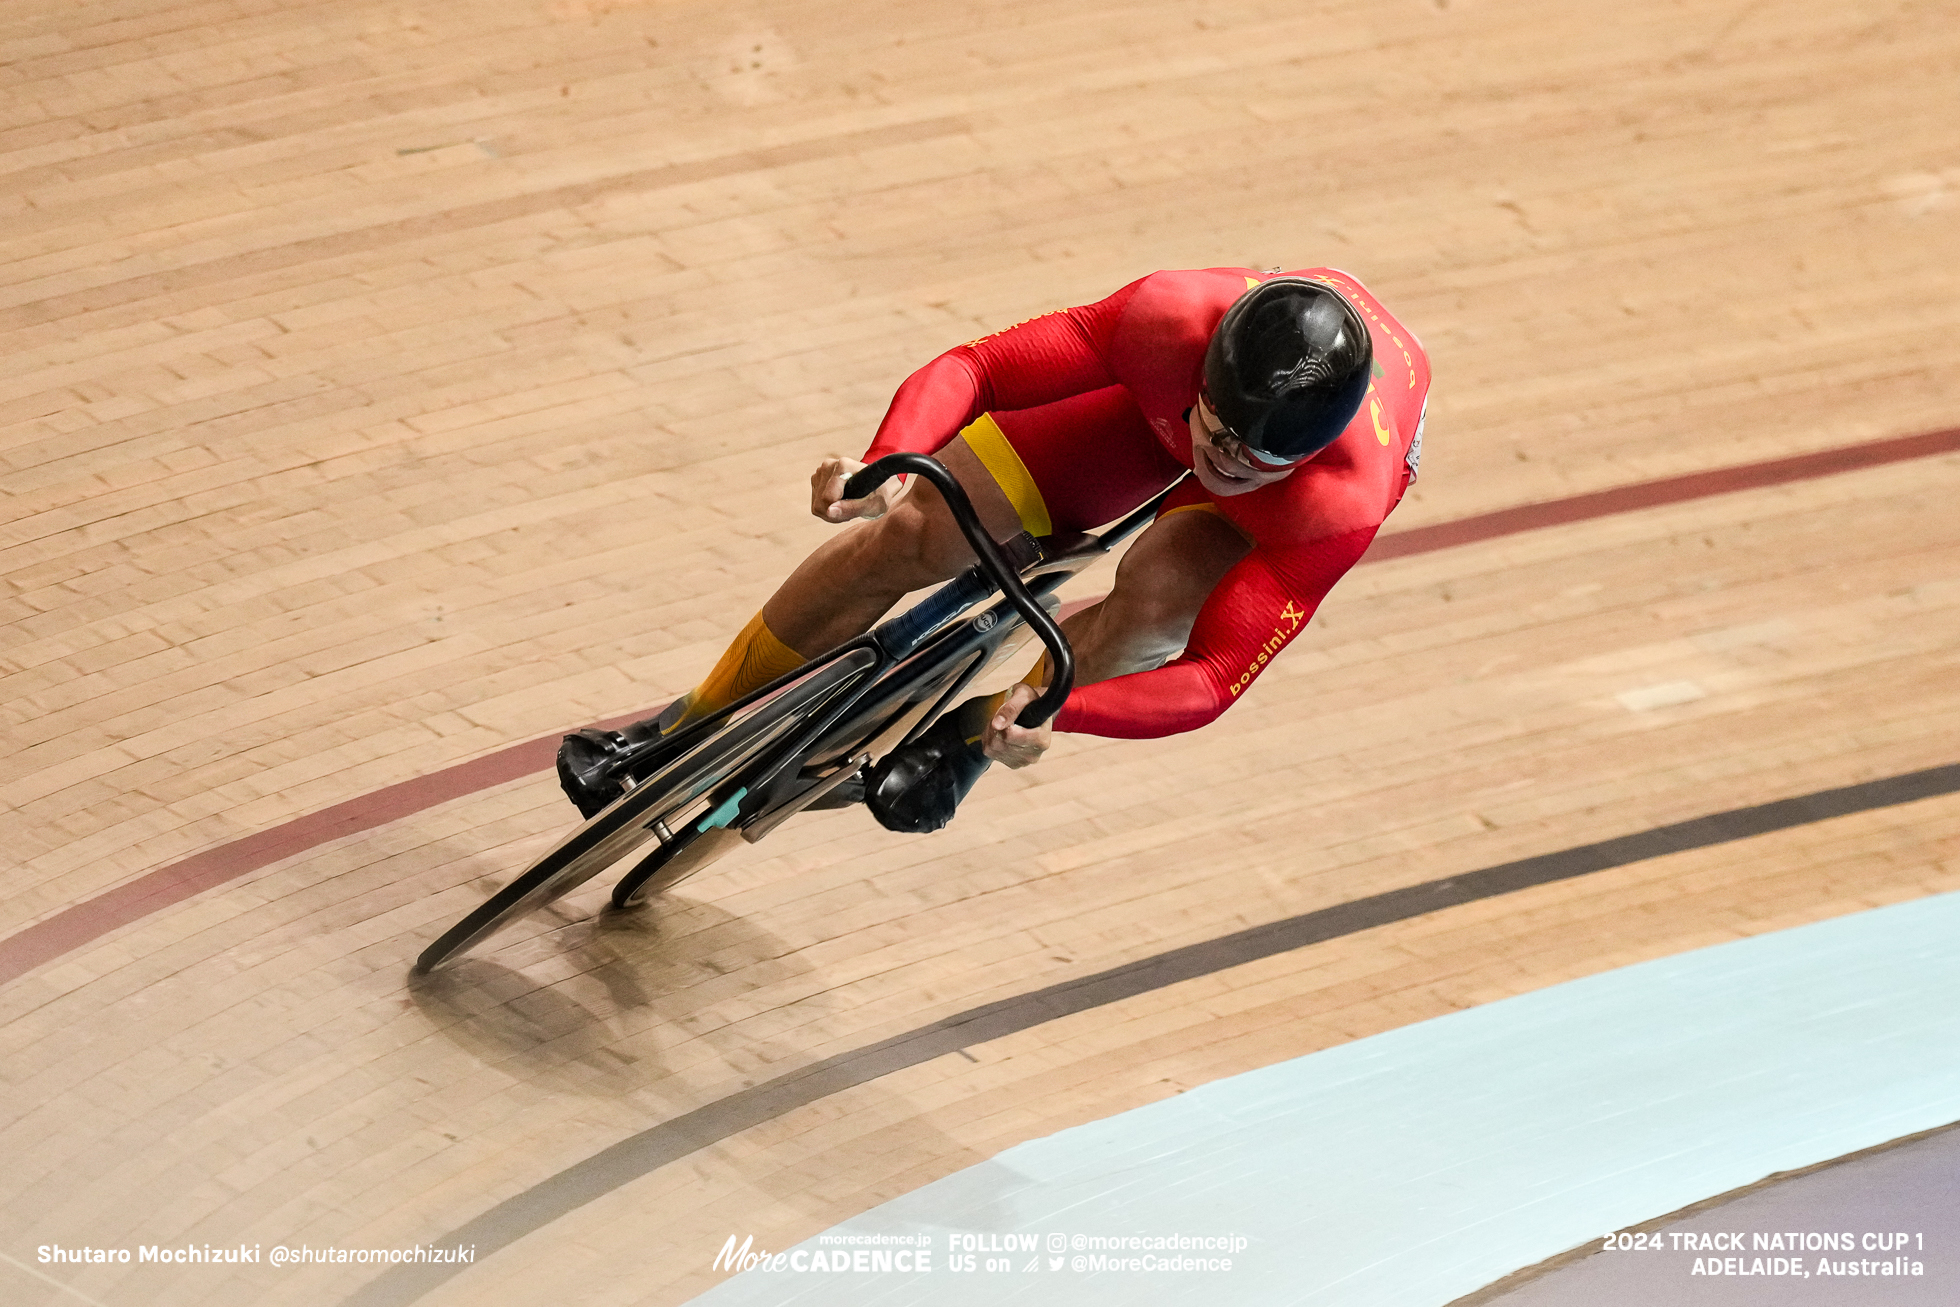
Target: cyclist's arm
pixel 1262 603
pixel 1041 360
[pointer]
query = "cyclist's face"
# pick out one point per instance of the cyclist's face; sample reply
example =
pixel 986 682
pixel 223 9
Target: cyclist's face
pixel 1223 466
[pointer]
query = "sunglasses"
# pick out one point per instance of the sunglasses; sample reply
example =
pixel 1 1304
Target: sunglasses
pixel 1256 458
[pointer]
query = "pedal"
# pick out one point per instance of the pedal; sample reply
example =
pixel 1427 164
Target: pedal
pixel 589 759
pixel 844 795
pixel 584 769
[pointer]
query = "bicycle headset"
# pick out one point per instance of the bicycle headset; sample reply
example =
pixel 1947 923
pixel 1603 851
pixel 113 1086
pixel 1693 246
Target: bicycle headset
pixel 1287 368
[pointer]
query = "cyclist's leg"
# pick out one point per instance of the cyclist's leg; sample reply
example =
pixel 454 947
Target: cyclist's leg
pixel 1146 618
pixel 1022 470
pixel 853 579
pixel 1087 460
pixel 847 584
pixel 1161 583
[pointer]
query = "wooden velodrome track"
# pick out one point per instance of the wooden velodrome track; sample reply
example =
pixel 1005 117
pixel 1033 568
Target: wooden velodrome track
pixel 388 384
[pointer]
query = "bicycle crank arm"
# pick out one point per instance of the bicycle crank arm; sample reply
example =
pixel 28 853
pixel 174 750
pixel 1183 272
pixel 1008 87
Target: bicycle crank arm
pixel 768 821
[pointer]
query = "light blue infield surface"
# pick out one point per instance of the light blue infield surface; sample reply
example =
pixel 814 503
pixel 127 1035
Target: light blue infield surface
pixel 1413 1167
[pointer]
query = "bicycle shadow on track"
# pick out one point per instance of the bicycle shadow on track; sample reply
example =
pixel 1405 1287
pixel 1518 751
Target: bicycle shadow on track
pixel 591 1004
pixel 620 1006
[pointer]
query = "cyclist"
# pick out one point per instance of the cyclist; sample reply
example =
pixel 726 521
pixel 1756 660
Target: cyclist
pixel 1295 398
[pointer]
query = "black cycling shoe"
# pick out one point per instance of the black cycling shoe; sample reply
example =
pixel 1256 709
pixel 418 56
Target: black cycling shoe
pixel 916 788
pixel 585 759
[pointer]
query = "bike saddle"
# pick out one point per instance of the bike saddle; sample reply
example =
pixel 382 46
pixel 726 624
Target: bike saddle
pixel 1066 547
pixel 916 788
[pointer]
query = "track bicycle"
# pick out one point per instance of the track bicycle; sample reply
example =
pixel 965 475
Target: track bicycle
pixel 806 739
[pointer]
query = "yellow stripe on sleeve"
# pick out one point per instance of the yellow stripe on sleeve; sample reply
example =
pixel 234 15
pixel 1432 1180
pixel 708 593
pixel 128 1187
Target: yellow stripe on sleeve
pixel 1206 506
pixel 989 444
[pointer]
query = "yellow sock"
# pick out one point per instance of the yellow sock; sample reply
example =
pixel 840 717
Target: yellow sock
pixel 973 724
pixel 977 723
pixel 755 658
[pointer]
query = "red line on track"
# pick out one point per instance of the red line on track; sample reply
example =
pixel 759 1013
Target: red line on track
pixel 91 919
pixel 1652 494
pixel 85 922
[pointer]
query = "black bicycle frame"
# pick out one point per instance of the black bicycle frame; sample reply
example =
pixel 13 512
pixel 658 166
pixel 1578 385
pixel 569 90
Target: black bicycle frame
pixel 900 637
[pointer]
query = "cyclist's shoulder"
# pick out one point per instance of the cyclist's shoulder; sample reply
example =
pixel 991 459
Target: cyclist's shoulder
pixel 1349 486
pixel 1393 339
pixel 1165 319
pixel 1192 300
pixel 1186 293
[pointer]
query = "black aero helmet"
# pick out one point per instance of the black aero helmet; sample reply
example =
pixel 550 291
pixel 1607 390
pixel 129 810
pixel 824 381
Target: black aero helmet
pixel 1288 366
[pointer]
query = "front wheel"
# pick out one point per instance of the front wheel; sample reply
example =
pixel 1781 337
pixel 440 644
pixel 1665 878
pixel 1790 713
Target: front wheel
pixel 602 841
pixel 640 814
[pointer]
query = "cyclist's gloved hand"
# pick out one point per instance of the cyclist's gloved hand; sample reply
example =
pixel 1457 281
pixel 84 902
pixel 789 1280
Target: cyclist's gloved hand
pixel 827 485
pixel 1009 742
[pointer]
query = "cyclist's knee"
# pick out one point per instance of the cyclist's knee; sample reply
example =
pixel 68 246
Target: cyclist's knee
pixel 1163 582
pixel 1141 628
pixel 918 544
pixel 1148 615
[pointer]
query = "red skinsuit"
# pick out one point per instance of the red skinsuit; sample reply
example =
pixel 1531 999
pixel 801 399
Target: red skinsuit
pixel 1149 339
